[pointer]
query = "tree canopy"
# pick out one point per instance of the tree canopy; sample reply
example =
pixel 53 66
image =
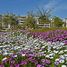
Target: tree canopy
pixel 57 22
pixel 30 21
pixel 44 16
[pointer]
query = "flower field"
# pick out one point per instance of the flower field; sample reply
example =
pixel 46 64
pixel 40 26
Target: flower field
pixel 34 49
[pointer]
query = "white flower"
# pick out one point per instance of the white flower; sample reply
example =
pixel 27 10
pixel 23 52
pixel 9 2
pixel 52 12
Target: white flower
pixel 10 53
pixel 49 48
pixel 1 46
pixel 25 48
pixel 44 54
pixel 43 47
pixel 47 56
pixel 61 61
pixel 52 54
pixel 15 55
pixel 4 59
pixel 51 57
pixel 61 52
pixel 54 47
pixel 61 56
pixel 44 51
pixel 56 59
pixel 63 66
pixel 61 43
pixel 35 40
pixel 55 51
pixel 36 48
pixel 40 50
pixel 5 53
pixel 65 55
pixel 53 43
pixel 57 48
pixel 65 50
pixel 23 54
pixel 49 43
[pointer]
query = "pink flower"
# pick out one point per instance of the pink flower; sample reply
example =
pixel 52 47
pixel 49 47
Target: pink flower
pixel 39 65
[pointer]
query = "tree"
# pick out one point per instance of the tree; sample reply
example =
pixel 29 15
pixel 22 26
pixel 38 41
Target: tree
pixel 30 21
pixel 57 22
pixel 0 21
pixel 9 19
pixel 44 16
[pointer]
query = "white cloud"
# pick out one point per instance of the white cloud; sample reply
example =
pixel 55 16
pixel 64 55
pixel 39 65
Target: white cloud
pixel 51 4
pixel 56 4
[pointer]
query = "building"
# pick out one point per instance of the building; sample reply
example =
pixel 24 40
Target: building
pixel 21 19
pixel 65 22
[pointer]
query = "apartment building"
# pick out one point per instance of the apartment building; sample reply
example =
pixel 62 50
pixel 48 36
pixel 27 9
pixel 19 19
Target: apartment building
pixel 21 19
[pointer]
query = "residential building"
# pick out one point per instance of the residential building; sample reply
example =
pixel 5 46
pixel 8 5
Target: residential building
pixel 21 19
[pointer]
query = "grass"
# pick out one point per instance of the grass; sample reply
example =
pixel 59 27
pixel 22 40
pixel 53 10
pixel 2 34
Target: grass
pixel 47 29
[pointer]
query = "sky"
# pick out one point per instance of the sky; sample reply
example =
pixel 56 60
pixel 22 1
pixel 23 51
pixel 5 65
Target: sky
pixel 21 7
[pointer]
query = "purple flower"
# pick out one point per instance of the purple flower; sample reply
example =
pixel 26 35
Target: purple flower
pixel 32 55
pixel 17 65
pixel 45 61
pixel 65 42
pixel 12 61
pixel 56 35
pixel 23 62
pixel 1 65
pixel 11 65
pixel 39 65
pixel 56 62
pixel 33 60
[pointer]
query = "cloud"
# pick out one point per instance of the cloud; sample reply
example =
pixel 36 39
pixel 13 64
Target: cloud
pixel 56 4
pixel 51 4
pixel 57 7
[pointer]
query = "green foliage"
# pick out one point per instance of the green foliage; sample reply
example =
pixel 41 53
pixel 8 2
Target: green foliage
pixel 1 57
pixel 30 22
pixel 57 22
pixel 47 29
pixel 0 22
pixel 9 19
pixel 0 25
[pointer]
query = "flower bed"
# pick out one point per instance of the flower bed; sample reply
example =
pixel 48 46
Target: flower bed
pixel 53 36
pixel 20 50
pixel 40 57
